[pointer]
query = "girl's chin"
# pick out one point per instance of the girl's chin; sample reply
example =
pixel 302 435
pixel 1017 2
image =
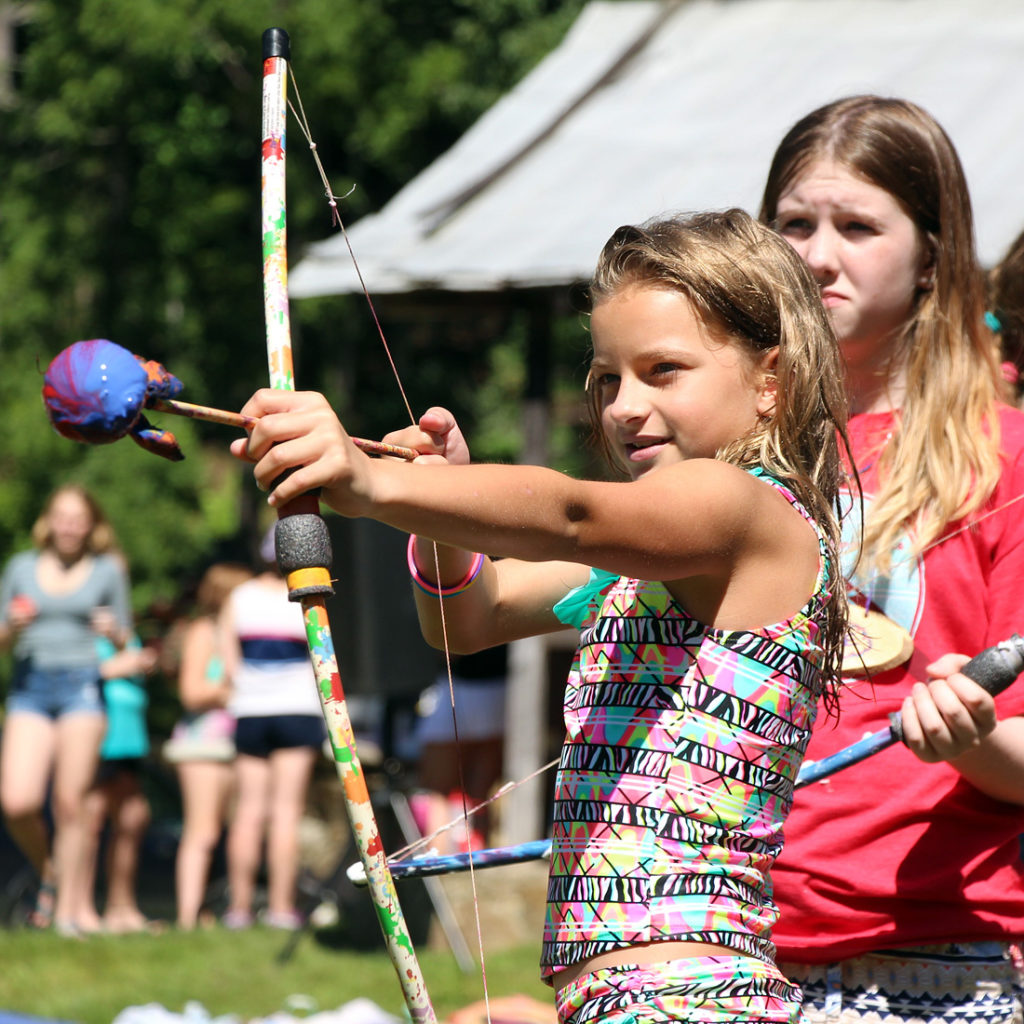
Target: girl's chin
pixel 642 467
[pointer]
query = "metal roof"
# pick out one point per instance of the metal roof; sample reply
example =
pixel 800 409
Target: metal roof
pixel 648 107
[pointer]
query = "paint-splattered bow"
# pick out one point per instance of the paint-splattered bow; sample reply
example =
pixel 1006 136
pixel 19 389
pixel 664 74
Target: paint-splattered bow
pixel 303 548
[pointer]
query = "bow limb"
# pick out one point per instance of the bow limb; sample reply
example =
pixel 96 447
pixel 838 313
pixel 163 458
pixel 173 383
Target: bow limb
pixel 303 547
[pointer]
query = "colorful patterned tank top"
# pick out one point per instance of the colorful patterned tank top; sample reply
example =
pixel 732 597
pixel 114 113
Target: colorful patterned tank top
pixel 682 746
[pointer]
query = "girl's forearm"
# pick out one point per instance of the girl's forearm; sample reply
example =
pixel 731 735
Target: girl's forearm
pixel 206 699
pixel 518 511
pixel 996 766
pixel 440 564
pixel 469 616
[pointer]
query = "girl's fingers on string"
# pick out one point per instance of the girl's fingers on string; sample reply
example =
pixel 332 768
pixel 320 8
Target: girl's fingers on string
pixel 442 425
pixel 419 440
pixel 436 436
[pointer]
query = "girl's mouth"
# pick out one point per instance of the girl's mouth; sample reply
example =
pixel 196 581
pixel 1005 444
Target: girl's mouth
pixel 641 451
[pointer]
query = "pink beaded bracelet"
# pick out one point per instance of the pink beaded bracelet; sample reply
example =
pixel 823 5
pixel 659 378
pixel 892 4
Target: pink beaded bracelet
pixel 430 587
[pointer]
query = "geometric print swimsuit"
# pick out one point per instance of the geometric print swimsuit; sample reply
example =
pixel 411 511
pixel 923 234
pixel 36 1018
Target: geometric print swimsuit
pixel 682 746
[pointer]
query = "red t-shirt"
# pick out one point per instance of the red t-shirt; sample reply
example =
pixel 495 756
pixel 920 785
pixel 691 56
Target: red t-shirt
pixel 894 852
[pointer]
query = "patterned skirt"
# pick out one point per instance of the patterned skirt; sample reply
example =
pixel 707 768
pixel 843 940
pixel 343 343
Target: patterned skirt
pixel 956 983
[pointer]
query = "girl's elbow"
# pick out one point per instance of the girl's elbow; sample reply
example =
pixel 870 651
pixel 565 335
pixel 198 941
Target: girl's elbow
pixel 453 640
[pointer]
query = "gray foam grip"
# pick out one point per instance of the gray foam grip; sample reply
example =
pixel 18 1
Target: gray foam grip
pixel 302 542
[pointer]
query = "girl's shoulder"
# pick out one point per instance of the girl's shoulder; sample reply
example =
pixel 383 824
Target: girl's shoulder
pixel 107 568
pixel 23 559
pixel 576 607
pixel 199 628
pixel 713 483
pixel 783 486
pixel 20 568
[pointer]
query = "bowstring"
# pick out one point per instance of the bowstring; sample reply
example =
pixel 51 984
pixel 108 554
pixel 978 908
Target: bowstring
pixel 332 200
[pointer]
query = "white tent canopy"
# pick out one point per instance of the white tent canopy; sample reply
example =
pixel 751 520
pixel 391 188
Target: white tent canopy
pixel 649 106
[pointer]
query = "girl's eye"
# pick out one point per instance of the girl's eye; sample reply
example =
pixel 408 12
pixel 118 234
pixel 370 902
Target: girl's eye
pixel 605 380
pixel 663 369
pixel 795 227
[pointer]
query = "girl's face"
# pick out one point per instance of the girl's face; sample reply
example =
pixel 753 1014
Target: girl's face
pixel 667 389
pixel 70 524
pixel 864 251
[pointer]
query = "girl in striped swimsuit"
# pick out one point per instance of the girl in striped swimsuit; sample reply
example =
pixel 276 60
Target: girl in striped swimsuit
pixel 704 588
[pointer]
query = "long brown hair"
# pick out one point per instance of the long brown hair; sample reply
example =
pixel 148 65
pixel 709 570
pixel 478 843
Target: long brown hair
pixel 942 462
pixel 747 284
pixel 216 585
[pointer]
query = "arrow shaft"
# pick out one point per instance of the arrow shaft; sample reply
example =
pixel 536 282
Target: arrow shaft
pixel 236 419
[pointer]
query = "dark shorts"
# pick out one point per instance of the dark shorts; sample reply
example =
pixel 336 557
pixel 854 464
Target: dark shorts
pixel 55 691
pixel 111 768
pixel 261 736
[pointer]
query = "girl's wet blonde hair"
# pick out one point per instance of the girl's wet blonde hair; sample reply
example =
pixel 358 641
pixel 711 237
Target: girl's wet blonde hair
pixel 750 289
pixel 942 461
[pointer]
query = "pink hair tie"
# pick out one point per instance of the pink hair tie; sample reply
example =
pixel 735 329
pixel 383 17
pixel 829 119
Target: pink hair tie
pixel 432 588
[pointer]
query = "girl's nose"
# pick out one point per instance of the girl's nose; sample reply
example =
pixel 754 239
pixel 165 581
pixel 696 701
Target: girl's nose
pixel 629 402
pixel 820 254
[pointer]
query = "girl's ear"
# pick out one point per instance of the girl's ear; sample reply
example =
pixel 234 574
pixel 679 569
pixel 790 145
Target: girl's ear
pixel 767 383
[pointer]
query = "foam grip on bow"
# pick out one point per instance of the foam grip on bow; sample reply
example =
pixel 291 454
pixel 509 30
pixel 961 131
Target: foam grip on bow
pixel 303 548
pixel 994 669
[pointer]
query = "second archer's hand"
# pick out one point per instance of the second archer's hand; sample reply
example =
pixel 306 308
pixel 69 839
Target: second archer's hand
pixel 298 433
pixel 950 715
pixel 436 437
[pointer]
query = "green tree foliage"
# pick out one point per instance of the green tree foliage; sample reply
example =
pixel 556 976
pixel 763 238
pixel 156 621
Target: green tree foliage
pixel 129 209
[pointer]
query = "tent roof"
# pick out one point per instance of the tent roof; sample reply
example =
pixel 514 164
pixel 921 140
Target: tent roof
pixel 648 107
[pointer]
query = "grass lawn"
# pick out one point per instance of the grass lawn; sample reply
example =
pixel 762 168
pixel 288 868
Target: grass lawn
pixel 248 974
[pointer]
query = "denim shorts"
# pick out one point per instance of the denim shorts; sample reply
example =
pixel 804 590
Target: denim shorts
pixel 55 691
